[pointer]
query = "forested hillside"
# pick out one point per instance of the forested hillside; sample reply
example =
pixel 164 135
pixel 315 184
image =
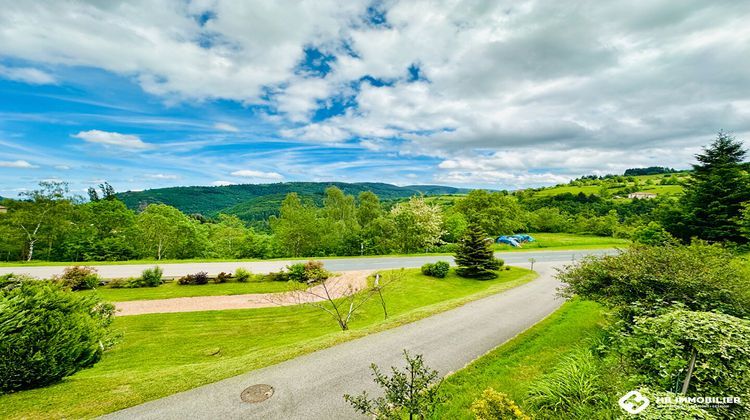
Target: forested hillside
pixel 253 202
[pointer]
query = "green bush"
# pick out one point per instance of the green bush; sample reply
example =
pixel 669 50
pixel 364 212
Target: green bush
pixel 48 333
pixel 121 283
pixel 495 405
pixel 242 275
pixel 79 278
pixel 309 272
pixel 661 348
pixel 11 280
pixel 150 277
pixel 194 279
pixel 276 276
pixel 643 279
pixel 438 269
pixel 657 411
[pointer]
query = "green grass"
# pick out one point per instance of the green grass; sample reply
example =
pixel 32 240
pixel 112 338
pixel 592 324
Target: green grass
pixel 161 354
pixel 512 367
pixel 173 290
pixel 565 241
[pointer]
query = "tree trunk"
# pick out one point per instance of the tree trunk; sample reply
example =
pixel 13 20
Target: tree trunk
pixel 31 250
pixel 686 382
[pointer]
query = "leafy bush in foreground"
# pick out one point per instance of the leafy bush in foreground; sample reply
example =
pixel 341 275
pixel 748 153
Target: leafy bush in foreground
pixel 79 278
pixel 438 269
pixel 496 405
pixel 48 333
pixel 662 348
pixel 643 279
pixel 194 279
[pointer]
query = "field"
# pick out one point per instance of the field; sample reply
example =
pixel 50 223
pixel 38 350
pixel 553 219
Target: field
pixel 560 241
pixel 594 186
pixel 512 367
pixel 186 350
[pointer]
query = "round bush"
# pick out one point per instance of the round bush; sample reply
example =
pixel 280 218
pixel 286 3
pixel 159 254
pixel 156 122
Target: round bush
pixel 48 333
pixel 79 278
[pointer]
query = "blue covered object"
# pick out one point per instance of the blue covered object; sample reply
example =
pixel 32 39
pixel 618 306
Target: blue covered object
pixel 523 238
pixel 508 240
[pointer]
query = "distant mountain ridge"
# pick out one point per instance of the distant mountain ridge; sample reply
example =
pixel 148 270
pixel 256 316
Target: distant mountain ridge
pixel 252 202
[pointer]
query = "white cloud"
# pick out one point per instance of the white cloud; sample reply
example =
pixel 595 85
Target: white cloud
pixel 63 167
pixel 162 176
pixel 27 75
pixel 226 127
pixel 249 173
pixel 107 138
pixel 16 164
pixel 221 183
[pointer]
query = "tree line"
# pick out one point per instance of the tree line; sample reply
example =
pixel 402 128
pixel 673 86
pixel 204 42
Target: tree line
pixel 50 224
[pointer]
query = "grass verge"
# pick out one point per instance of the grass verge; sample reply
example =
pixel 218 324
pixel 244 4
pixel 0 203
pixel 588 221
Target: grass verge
pixel 513 366
pixel 563 241
pixel 161 354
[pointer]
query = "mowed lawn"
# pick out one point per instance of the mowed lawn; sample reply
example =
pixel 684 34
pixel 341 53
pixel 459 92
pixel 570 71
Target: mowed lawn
pixel 173 289
pixel 512 367
pixel 161 354
pixel 563 241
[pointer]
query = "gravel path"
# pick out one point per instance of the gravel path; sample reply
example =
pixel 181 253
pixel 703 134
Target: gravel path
pixel 338 286
pixel 311 386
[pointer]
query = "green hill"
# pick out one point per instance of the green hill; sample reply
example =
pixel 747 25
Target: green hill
pixel 663 184
pixel 253 202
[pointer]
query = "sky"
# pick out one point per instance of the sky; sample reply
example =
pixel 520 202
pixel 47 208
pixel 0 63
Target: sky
pixel 488 94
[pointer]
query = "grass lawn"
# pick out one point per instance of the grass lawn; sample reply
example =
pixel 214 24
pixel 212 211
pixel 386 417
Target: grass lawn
pixel 562 241
pixel 512 367
pixel 161 354
pixel 172 290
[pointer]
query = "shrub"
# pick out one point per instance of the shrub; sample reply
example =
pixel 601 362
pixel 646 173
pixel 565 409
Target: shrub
pixel 48 333
pixel 276 276
pixel 121 283
pixel 79 278
pixel 644 279
pixel 194 279
pixel 309 272
pixel 496 405
pixel 242 275
pixel 657 411
pixel 438 269
pixel 151 277
pixel 661 349
pixel 296 272
pixel 10 280
pixel 223 277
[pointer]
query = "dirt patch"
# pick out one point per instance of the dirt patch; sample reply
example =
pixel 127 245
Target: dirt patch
pixel 338 286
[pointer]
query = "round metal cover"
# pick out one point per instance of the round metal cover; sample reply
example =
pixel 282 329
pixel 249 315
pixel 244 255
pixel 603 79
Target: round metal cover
pixel 256 393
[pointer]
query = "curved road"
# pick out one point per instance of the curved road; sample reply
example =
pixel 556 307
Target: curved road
pixel 311 386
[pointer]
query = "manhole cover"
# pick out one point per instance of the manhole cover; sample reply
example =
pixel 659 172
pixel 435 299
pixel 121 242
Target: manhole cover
pixel 257 393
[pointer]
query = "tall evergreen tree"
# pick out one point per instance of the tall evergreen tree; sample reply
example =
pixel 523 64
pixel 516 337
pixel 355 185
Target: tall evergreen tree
pixel 474 255
pixel 716 191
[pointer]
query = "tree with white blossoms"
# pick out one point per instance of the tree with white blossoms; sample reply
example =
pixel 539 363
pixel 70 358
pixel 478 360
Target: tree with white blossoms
pixel 418 225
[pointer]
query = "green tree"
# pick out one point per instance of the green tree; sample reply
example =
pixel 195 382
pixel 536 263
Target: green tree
pixel 716 190
pixel 369 208
pixel 297 229
pixel 474 256
pixel 496 213
pixel 418 225
pixel 41 216
pixel 227 236
pixel 166 232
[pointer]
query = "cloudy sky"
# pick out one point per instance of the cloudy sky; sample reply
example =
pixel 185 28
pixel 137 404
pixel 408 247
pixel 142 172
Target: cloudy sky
pixel 495 94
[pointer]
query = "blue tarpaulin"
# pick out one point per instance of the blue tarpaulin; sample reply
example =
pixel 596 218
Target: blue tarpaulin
pixel 514 240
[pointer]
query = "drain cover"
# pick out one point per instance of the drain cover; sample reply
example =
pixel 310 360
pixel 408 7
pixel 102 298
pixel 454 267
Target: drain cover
pixel 256 393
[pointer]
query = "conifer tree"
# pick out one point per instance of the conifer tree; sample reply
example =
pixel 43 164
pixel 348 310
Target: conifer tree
pixel 715 194
pixel 474 255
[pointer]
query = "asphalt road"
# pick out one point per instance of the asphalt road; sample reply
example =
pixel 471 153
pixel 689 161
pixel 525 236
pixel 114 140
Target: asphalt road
pixel 335 264
pixel 312 386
